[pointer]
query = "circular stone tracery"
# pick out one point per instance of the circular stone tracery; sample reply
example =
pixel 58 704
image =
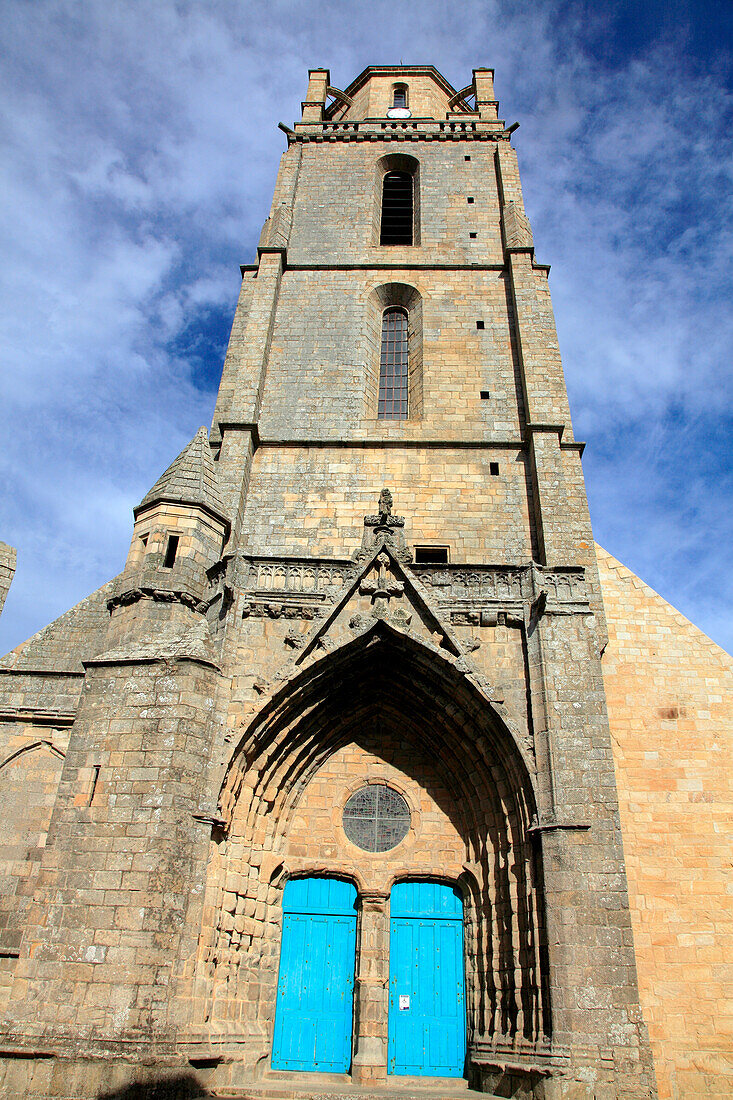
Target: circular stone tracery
pixel 376 818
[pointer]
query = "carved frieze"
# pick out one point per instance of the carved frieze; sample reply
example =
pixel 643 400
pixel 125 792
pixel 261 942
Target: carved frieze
pixel 271 609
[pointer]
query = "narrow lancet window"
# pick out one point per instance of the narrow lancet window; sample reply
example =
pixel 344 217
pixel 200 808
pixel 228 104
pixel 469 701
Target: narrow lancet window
pixel 400 95
pixel 393 366
pixel 397 204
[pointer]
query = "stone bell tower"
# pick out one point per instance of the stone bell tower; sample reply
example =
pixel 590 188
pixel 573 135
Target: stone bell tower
pixel 397 330
pixel 349 685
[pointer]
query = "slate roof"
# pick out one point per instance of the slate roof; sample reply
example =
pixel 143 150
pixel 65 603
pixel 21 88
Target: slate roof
pixel 190 479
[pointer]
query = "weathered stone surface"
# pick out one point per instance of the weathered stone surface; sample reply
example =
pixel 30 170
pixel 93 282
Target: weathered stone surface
pixel 8 559
pixel 288 629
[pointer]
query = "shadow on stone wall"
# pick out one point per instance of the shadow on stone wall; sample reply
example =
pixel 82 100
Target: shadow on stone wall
pixel 183 1086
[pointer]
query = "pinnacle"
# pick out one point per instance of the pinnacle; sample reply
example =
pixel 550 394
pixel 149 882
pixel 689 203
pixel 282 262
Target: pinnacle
pixel 190 479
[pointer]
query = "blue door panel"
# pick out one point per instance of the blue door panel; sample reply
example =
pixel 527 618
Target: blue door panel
pixel 319 895
pixel 426 899
pixel 428 1038
pixel 313 1017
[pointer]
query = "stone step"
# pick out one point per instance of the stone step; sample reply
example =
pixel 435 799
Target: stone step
pixel 325 1086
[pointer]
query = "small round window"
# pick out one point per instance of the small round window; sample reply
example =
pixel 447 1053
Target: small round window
pixel 376 818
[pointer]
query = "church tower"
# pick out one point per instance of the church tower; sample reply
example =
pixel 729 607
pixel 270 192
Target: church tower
pixel 339 791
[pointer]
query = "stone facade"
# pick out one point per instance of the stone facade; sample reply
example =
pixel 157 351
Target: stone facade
pixel 280 637
pixel 670 707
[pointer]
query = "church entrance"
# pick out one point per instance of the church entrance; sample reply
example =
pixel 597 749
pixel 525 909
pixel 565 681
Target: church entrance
pixel 427 1015
pixel 315 993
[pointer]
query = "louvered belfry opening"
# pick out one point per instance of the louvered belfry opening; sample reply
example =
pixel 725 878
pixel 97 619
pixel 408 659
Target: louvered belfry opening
pixel 393 366
pixel 397 208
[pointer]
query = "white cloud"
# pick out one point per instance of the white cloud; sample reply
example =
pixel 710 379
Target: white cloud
pixel 140 152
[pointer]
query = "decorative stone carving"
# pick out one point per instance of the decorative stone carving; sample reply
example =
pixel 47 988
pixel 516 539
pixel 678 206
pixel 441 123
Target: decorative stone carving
pixel 384 529
pixel 295 575
pixel 160 595
pixel 258 609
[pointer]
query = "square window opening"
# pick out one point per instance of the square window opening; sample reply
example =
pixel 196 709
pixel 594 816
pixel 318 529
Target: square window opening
pixel 470 198
pixel 431 555
pixel 480 325
pixel 466 157
pixel 472 236
pixel 485 396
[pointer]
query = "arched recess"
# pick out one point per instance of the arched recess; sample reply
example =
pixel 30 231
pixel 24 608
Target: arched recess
pixel 396 162
pixel 386 681
pixel 29 779
pixel 381 298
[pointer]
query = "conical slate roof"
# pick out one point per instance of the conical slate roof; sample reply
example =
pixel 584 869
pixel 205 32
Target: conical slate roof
pixel 190 479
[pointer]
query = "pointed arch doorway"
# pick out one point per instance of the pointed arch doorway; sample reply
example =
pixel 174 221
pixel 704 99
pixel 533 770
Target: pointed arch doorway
pixel 315 993
pixel 427 1004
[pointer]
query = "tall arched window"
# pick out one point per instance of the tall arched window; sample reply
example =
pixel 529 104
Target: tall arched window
pixel 397 208
pixel 399 96
pixel 393 353
pixel 393 365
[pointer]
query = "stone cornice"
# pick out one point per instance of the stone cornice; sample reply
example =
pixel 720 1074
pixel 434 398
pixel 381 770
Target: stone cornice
pixel 473 129
pixel 37 716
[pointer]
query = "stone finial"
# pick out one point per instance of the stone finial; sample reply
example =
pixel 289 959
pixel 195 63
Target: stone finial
pixel 385 529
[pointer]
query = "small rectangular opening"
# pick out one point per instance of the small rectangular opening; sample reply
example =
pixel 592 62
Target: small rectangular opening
pixel 485 395
pixel 494 469
pixel 431 555
pixel 466 157
pixel 480 325
pixel 470 198
pixel 472 236
pixel 93 784
pixel 170 552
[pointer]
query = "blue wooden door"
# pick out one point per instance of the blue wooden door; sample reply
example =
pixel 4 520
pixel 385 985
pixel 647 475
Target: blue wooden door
pixel 315 992
pixel 427 1015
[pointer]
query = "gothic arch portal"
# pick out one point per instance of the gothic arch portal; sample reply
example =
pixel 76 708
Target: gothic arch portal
pixel 391 699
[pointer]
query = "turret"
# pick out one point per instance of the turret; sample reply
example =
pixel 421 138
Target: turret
pixel 180 530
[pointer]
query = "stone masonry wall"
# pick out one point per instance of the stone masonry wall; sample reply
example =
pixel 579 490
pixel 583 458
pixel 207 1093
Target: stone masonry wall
pixel 103 937
pixel 7 570
pixel 29 778
pixel 331 490
pixel 320 358
pixel 447 218
pixel 669 703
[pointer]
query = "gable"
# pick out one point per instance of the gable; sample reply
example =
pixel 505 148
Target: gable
pixel 669 692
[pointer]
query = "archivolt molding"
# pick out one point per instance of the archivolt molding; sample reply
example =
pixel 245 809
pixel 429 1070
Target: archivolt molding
pixel 390 682
pixel 290 682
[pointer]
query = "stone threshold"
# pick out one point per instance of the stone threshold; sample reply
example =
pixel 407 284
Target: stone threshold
pixel 314 1086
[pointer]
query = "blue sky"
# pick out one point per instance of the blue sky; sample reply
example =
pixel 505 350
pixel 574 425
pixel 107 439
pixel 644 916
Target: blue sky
pixel 140 147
